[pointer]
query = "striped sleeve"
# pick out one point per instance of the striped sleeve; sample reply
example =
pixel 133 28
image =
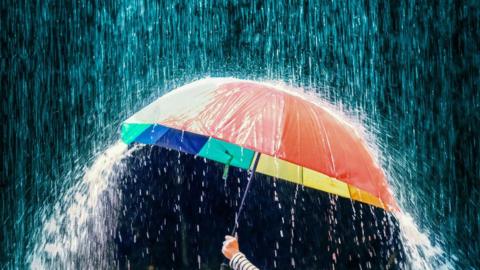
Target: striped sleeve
pixel 240 262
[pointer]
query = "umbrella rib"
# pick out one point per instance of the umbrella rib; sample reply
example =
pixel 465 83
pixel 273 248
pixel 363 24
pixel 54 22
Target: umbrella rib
pixel 320 121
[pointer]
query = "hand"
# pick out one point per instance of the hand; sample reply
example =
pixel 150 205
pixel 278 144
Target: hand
pixel 230 246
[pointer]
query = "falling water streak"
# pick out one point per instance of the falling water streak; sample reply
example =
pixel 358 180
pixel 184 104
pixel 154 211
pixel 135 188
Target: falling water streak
pixel 80 231
pixel 292 220
pixel 276 199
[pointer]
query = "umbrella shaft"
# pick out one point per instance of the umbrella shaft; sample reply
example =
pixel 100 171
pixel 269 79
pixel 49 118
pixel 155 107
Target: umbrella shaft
pixel 240 208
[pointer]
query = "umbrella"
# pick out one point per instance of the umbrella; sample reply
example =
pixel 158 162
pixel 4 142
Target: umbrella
pixel 267 129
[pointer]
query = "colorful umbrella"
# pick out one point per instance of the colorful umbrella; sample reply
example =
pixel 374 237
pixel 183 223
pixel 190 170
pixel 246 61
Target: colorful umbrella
pixel 297 139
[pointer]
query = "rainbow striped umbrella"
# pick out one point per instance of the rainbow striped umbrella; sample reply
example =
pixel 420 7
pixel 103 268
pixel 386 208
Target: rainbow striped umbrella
pixel 298 140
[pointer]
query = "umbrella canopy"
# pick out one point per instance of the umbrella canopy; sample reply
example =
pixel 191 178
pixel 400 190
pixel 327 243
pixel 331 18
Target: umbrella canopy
pixel 298 140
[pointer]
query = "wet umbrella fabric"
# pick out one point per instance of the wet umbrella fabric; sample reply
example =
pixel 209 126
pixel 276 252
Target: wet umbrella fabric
pixel 299 139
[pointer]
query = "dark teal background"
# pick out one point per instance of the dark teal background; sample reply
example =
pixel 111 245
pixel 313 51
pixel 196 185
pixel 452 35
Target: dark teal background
pixel 71 71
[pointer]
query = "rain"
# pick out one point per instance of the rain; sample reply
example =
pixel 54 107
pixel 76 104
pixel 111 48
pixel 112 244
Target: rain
pixel 74 196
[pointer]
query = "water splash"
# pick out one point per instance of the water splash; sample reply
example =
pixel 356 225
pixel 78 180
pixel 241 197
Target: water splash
pixel 421 253
pixel 80 231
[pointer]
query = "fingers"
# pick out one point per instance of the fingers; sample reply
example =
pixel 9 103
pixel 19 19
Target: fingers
pixel 228 242
pixel 228 237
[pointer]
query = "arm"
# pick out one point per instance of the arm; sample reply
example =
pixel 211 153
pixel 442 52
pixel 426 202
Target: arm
pixel 238 261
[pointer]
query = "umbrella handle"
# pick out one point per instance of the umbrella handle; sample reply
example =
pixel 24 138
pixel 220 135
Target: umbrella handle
pixel 227 165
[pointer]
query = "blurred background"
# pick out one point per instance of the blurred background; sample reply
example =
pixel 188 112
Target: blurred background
pixel 72 71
